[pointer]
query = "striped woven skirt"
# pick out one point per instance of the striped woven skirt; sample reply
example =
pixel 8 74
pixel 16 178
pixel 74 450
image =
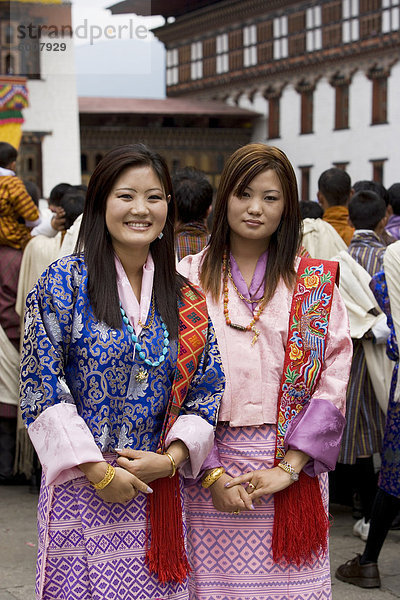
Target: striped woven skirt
pixel 231 555
pixel 93 550
pixel 365 421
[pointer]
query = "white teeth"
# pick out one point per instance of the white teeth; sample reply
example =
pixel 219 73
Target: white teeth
pixel 142 225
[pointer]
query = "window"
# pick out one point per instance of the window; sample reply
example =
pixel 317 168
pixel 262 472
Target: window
pixel 84 163
pixel 370 18
pixel 313 29
pixel 196 57
pixel 350 26
pixel 209 60
pixel 222 53
pixel 379 100
pixel 390 15
pixel 235 45
pixel 332 24
pixel 305 183
pixel 274 117
pixel 249 45
pixel 9 67
pixel 341 102
pixel 281 48
pixel 172 66
pixel 265 49
pixel 184 62
pixel 297 33
pixel 307 108
pixel 377 170
pixel 9 34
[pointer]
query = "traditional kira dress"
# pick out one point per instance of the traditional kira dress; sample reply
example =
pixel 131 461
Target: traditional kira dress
pixel 231 554
pixel 86 390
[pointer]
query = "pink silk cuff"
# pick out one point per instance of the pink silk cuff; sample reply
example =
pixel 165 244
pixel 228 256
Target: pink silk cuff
pixel 63 441
pixel 198 436
pixel 317 430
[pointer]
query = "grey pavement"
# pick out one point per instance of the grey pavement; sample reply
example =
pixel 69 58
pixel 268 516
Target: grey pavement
pixel 18 546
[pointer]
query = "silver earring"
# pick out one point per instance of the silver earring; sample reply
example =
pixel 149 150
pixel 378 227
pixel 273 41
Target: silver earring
pixel 160 235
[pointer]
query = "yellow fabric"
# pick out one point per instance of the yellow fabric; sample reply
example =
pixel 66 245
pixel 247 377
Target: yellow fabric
pixel 15 203
pixel 337 216
pixel 11 132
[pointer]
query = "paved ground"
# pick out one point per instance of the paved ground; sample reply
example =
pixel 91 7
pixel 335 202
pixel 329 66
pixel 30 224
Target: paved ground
pixel 18 550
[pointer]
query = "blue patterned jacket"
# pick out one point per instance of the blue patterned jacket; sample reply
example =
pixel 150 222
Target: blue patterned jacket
pixel 69 356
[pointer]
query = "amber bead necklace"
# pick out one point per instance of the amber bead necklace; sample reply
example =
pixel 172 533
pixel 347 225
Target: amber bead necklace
pixel 256 314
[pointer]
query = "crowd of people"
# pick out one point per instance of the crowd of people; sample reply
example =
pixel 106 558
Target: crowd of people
pixel 197 373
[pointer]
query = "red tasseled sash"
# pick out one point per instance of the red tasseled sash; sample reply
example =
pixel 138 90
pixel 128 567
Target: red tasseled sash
pixel 165 549
pixel 301 524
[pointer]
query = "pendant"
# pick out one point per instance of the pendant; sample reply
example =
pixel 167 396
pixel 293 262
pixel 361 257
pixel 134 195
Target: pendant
pixel 256 334
pixel 142 375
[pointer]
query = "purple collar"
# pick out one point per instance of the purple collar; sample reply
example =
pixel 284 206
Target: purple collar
pixel 257 285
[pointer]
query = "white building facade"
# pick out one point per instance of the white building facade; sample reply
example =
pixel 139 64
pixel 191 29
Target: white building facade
pixel 325 77
pixel 36 42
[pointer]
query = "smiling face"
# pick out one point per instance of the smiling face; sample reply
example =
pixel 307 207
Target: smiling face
pixel 256 214
pixel 136 210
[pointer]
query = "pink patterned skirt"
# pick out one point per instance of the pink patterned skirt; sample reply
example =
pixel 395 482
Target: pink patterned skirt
pixel 231 555
pixel 93 550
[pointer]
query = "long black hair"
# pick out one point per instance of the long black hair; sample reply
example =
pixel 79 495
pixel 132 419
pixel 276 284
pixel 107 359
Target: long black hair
pixel 239 170
pixel 95 242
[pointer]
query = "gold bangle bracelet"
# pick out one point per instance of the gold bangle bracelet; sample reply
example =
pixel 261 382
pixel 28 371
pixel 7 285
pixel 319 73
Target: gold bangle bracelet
pixel 108 477
pixel 173 463
pixel 212 477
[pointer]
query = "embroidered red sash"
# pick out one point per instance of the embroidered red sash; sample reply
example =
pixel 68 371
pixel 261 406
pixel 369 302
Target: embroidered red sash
pixel 300 523
pixel 165 547
pixel 193 325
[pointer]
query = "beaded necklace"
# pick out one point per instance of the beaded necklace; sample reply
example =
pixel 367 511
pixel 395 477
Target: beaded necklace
pixel 248 300
pixel 256 314
pixel 142 374
pixel 150 323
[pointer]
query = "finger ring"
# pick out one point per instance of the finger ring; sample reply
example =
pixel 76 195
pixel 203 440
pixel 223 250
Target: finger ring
pixel 251 487
pixel 236 512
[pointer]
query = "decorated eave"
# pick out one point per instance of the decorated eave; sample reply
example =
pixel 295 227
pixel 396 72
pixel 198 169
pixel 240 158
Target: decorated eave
pixel 35 1
pixel 13 99
pixel 146 8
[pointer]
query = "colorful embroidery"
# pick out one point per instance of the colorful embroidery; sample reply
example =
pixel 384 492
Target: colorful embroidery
pixel 308 327
pixel 193 323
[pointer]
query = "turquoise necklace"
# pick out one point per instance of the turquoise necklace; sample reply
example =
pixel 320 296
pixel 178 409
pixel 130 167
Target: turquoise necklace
pixel 138 346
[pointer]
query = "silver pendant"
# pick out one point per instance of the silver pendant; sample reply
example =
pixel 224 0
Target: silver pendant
pixel 142 375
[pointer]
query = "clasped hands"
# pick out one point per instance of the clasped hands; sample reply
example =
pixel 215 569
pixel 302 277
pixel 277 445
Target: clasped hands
pixel 236 494
pixel 135 470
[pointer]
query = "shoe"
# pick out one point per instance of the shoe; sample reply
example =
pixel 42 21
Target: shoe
pixel 361 529
pixel 364 576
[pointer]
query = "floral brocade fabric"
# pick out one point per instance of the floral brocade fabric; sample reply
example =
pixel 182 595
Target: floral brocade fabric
pixel 389 479
pixel 69 356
